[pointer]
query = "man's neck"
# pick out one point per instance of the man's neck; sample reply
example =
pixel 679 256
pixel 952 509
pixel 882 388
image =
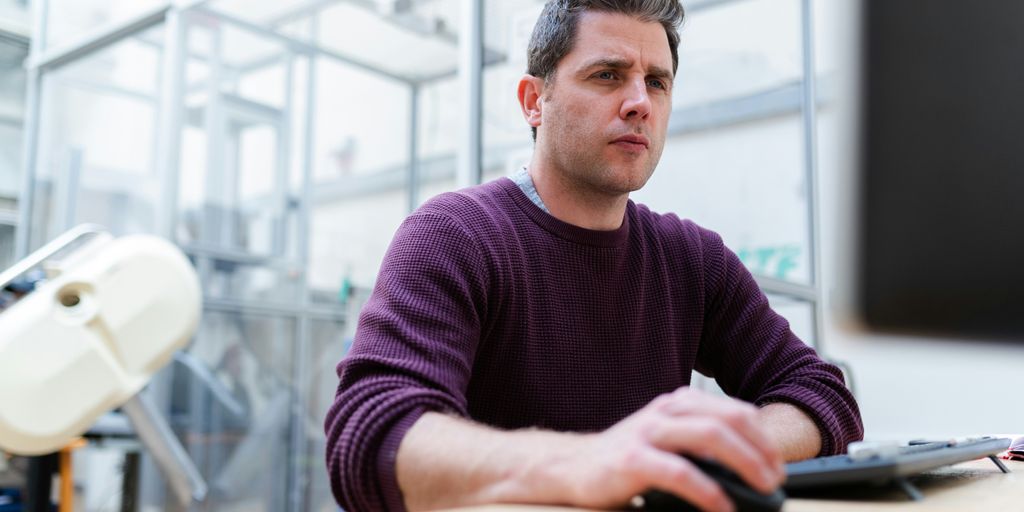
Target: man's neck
pixel 576 205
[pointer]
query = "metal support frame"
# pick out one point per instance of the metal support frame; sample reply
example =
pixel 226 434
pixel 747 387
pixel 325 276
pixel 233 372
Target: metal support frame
pixel 811 166
pixel 999 464
pixel 154 432
pixel 214 126
pixel 67 206
pixel 166 162
pixel 298 46
pixel 414 156
pixel 296 440
pixel 298 483
pixel 168 143
pixel 98 40
pixel 33 96
pixel 469 170
pixel 912 492
pixel 8 218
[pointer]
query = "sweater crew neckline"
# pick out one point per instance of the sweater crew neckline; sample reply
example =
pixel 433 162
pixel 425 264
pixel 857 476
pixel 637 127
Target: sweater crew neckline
pixel 570 232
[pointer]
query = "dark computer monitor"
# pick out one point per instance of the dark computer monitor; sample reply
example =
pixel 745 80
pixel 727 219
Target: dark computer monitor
pixel 940 249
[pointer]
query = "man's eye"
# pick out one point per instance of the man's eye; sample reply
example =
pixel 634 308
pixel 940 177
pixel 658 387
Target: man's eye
pixel 656 83
pixel 606 75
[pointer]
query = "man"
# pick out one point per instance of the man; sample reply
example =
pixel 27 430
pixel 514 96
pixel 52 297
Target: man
pixel 531 341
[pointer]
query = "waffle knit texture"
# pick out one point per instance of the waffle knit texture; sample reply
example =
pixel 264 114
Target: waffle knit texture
pixel 489 308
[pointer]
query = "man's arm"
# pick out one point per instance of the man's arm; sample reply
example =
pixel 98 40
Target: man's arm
pixel 754 355
pixel 407 358
pixel 791 430
pixel 445 461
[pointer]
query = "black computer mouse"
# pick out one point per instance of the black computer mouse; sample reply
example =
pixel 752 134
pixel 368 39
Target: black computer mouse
pixel 745 498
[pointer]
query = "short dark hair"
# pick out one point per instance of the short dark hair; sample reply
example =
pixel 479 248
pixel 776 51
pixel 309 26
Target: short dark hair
pixel 555 32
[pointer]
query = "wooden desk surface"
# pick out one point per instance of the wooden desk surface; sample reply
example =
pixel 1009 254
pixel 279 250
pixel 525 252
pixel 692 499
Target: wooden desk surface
pixel 975 485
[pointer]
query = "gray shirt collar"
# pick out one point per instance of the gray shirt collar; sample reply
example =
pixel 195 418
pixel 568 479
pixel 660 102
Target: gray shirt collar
pixel 525 182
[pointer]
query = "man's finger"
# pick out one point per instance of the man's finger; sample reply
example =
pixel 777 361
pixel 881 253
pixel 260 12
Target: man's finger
pixel 707 437
pixel 673 474
pixel 741 416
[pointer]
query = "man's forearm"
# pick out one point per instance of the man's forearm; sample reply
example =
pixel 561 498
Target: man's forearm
pixel 448 462
pixel 445 461
pixel 794 432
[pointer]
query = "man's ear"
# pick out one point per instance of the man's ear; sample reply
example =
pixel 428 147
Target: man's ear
pixel 531 98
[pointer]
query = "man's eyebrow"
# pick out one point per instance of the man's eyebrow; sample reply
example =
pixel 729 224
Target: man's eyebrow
pixel 616 63
pixel 607 62
pixel 661 73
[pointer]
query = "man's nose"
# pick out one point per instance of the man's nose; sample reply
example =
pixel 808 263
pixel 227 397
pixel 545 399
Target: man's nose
pixel 637 100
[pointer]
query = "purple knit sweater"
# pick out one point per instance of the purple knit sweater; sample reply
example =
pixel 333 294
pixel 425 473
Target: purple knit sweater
pixel 489 308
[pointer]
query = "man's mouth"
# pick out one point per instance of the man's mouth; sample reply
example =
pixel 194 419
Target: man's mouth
pixel 633 142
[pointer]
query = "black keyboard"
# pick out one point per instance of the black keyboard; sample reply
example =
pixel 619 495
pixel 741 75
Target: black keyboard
pixel 888 463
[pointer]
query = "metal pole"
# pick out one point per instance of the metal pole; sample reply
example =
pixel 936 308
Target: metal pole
pixel 297 438
pixel 156 435
pixel 214 211
pixel 166 164
pixel 22 239
pixel 284 151
pixel 69 208
pixel 298 481
pixel 811 166
pixel 168 144
pixel 470 74
pixel 93 43
pixel 414 160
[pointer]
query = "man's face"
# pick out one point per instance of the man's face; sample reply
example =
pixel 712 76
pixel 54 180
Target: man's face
pixel 605 113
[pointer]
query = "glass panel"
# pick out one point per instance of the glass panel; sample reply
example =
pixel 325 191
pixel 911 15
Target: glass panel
pixel 243 62
pixel 6 246
pixel 264 12
pixel 10 161
pixel 329 341
pixel 378 34
pixel 235 152
pixel 345 253
pixel 230 276
pixel 12 80
pixel 16 14
pixel 507 141
pixel 230 407
pixel 439 119
pixel 97 132
pixel 362 123
pixel 438 136
pixel 382 37
pixel 240 191
pixel 433 187
pixel 12 112
pixel 68 21
pixel 800 315
pixel 361 158
pixel 736 49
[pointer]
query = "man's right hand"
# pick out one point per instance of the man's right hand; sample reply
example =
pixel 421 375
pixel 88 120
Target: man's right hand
pixel 642 452
pixel 447 462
